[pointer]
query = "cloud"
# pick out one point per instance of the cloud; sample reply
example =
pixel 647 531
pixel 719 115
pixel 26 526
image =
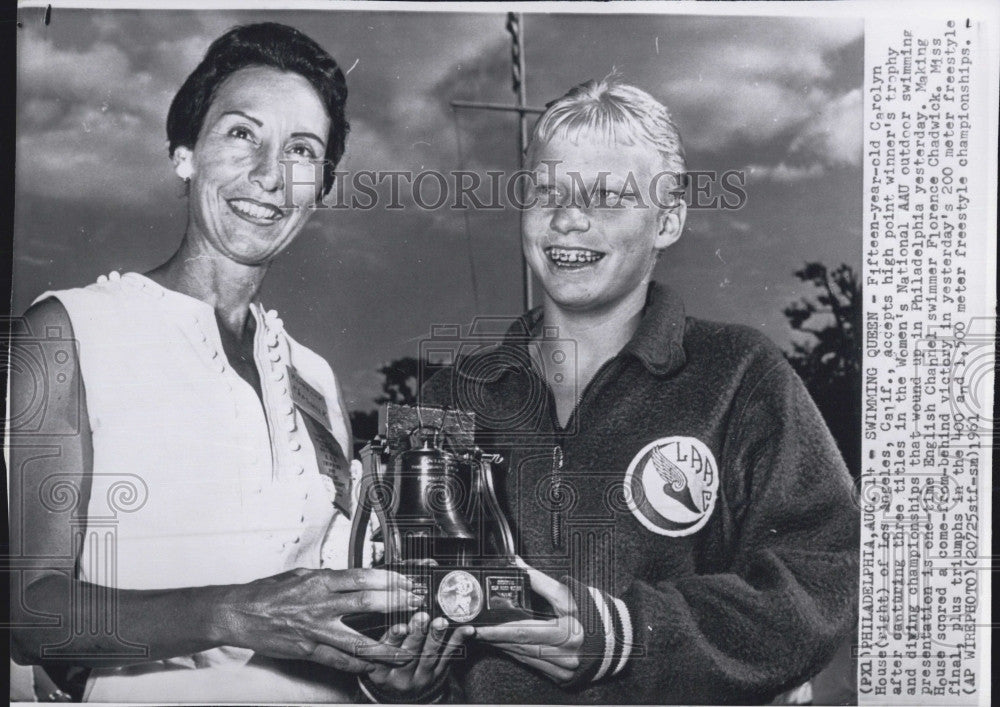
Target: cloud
pixel 782 172
pixel 733 87
pixel 834 136
pixel 768 62
pixel 91 119
pixel 34 260
pixel 92 154
pixel 101 75
pixel 739 226
pixel 727 111
pixel 763 87
pixel 778 94
pixel 831 139
pixel 369 146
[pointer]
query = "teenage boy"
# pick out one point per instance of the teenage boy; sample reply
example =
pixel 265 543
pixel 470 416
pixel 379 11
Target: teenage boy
pixel 675 494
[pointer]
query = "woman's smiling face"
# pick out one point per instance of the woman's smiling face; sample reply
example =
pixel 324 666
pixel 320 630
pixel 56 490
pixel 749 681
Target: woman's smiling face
pixel 259 117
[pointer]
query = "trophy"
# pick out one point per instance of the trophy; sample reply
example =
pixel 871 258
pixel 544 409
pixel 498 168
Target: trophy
pixel 427 509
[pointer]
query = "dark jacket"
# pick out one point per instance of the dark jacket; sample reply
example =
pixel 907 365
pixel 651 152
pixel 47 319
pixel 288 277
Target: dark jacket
pixel 702 514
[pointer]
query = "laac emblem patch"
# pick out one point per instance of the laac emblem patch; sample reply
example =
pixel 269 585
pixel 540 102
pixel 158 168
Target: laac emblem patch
pixel 671 485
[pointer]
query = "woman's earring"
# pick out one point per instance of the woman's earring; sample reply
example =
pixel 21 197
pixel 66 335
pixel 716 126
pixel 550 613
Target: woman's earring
pixel 184 170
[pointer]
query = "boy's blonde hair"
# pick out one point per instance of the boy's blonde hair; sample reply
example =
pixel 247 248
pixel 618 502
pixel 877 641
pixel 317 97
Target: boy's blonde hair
pixel 619 113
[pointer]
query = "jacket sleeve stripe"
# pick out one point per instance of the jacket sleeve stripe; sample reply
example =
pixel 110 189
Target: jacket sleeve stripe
pixel 609 631
pixel 619 629
pixel 627 635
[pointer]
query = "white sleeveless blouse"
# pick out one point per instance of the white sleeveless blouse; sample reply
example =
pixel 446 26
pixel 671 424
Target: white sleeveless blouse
pixel 195 482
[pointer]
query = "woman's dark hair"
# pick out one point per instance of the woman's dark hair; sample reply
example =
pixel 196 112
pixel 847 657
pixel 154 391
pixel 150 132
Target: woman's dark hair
pixel 264 44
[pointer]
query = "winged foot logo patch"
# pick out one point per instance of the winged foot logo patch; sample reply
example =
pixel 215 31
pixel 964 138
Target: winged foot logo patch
pixel 671 485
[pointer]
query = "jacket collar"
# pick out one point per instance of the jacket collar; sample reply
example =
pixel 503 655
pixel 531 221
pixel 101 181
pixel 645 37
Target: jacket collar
pixel 658 342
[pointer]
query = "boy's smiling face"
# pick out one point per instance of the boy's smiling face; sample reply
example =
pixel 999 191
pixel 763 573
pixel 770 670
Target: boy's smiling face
pixel 592 257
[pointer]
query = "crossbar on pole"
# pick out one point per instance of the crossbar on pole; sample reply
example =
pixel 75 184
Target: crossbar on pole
pixel 497 106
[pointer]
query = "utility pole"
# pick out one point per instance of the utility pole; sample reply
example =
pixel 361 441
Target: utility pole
pixel 514 24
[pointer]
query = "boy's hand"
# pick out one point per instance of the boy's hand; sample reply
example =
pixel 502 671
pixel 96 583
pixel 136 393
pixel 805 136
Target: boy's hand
pixel 551 647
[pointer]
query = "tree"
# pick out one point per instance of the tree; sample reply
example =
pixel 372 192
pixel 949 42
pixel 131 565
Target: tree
pixel 400 381
pixel 829 359
pixel 401 385
pixel 364 426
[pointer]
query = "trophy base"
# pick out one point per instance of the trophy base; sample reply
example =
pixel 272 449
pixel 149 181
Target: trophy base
pixel 464 595
pixel 472 596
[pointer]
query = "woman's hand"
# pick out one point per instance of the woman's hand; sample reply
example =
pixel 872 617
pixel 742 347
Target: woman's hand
pixel 297 614
pixel 552 647
pixel 424 640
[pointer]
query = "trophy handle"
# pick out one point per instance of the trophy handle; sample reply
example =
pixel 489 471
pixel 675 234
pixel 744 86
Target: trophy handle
pixel 372 474
pixel 363 510
pixel 486 491
pixel 426 427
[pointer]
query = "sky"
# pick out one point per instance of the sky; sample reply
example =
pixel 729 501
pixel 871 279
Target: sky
pixel 778 98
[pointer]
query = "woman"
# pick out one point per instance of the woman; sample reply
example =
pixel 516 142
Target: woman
pixel 206 478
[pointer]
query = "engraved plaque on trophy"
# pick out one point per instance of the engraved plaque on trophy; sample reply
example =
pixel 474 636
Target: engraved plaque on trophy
pixel 427 509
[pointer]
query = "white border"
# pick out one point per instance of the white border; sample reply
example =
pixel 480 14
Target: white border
pixel 889 9
pixel 985 11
